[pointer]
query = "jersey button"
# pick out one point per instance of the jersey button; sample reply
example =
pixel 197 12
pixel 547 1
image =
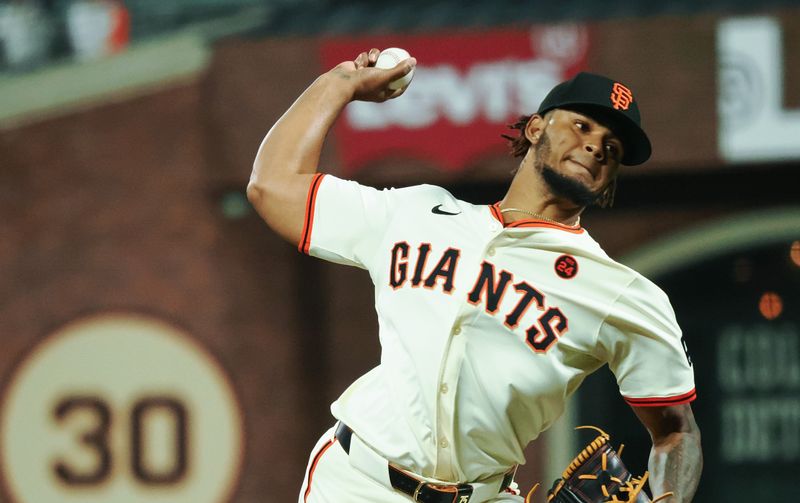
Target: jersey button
pixel 443 443
pixel 457 330
pixel 490 252
pixel 443 388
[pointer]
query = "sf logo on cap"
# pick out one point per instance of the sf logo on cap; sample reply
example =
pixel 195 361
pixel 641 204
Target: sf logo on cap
pixel 621 96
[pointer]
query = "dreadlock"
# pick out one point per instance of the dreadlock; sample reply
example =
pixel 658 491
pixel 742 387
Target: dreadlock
pixel 606 199
pixel 519 144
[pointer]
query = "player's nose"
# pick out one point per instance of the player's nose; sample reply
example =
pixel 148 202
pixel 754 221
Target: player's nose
pixel 595 150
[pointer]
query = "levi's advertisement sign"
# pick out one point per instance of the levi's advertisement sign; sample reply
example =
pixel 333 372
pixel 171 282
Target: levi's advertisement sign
pixel 467 88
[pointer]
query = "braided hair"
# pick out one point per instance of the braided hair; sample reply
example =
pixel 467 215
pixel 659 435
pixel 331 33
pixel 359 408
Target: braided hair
pixel 519 144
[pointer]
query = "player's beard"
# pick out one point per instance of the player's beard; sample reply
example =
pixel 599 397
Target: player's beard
pixel 561 185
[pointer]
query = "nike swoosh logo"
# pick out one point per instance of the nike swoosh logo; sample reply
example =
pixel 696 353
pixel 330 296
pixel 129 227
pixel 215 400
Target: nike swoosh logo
pixel 439 211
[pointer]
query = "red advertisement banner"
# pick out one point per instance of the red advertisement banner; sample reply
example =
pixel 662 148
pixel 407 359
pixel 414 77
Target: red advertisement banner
pixel 467 87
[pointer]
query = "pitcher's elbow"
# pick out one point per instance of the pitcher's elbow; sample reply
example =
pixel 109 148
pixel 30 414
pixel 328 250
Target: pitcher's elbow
pixel 256 193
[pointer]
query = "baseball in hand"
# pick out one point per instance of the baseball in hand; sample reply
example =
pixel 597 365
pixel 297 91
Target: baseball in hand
pixel 391 57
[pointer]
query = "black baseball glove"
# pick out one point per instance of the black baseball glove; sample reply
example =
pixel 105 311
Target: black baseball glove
pixel 598 475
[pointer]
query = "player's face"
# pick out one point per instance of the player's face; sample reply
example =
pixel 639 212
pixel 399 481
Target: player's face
pixel 577 156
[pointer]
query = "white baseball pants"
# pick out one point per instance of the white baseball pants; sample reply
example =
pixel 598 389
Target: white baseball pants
pixel 331 479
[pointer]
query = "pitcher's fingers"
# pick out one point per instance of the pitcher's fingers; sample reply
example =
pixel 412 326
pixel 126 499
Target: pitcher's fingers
pixel 397 93
pixel 403 68
pixel 361 60
pixel 373 56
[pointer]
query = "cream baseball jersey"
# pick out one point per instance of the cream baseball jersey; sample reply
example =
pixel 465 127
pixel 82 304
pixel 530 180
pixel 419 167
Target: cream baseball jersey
pixel 485 329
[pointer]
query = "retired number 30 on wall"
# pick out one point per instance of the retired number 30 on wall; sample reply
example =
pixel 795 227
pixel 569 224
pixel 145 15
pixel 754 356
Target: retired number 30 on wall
pixel 119 408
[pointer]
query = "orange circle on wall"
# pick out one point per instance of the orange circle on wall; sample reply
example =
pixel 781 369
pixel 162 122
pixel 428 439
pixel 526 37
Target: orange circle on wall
pixel 770 305
pixel 794 254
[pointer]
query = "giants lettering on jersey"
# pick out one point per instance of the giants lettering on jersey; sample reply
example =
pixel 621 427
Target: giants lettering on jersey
pixel 489 290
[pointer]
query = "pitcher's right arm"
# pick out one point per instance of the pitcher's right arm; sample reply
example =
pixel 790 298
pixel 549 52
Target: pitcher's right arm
pixel 289 154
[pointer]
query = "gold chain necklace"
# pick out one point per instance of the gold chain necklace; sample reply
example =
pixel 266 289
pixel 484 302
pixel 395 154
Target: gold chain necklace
pixel 540 216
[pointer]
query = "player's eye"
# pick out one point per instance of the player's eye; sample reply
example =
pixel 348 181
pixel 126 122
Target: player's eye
pixel 582 126
pixel 612 149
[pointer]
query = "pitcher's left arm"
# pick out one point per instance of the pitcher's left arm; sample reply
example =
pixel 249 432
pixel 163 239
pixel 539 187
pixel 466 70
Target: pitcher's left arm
pixel 676 458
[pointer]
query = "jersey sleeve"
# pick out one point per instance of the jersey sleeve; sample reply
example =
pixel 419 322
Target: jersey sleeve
pixel 644 348
pixel 345 221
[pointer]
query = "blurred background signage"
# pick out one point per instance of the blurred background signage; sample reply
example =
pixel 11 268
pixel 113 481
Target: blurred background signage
pixel 755 123
pixel 466 89
pixel 120 407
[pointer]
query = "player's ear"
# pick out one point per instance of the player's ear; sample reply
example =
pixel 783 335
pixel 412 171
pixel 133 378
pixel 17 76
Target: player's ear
pixel 534 128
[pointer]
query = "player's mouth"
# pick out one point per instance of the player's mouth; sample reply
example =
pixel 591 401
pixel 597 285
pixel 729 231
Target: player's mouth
pixel 582 165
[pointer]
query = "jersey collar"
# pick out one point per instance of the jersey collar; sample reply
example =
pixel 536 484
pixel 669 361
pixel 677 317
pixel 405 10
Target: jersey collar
pixel 532 222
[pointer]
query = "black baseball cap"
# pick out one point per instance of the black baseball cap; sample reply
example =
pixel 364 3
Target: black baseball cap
pixel 609 102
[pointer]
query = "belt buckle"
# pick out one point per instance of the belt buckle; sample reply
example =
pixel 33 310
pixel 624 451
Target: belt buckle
pixel 417 490
pixel 463 493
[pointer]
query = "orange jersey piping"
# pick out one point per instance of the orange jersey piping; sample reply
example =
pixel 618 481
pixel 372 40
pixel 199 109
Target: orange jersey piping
pixel 308 220
pixel 314 467
pixel 662 401
pixel 496 212
pixel 532 222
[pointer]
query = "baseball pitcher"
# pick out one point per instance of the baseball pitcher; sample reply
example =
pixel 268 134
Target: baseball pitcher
pixel 490 316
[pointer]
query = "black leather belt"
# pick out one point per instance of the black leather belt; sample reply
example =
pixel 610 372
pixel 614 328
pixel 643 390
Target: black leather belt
pixel 419 490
